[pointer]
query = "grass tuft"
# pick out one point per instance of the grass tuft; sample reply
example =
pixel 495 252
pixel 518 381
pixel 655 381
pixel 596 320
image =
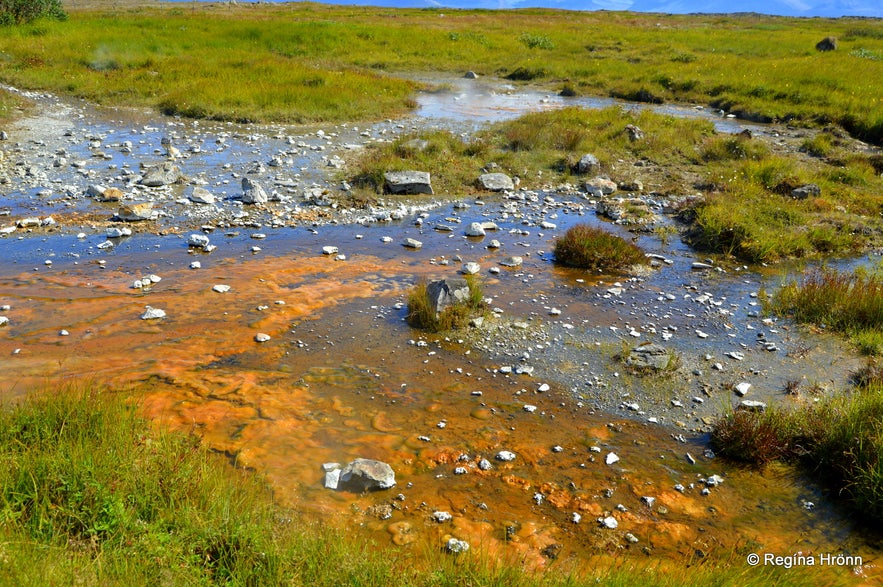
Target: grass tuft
pixel 588 247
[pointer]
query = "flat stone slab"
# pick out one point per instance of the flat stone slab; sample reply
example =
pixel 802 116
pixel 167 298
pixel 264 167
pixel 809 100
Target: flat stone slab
pixel 496 182
pixel 408 182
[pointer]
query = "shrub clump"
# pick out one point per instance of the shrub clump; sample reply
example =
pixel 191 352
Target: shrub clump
pixel 15 12
pixel 587 247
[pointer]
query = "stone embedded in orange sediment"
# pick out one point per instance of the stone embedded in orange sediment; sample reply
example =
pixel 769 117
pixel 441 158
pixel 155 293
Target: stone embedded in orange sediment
pixel 514 481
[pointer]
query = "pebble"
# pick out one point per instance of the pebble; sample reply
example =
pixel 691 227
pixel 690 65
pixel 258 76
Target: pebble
pixel 505 456
pixel 611 458
pixel 455 546
pixel 442 517
pixel 261 337
pixel 221 288
pixel 609 522
pixel 151 313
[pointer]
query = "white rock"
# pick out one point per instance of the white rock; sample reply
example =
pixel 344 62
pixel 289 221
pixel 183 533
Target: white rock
pixel 329 250
pixel 611 458
pixel 610 522
pixel 742 388
pixel 198 240
pixel 261 337
pixel 412 243
pixel 505 456
pixel 470 268
pixel 221 288
pixel 152 313
pixel 441 517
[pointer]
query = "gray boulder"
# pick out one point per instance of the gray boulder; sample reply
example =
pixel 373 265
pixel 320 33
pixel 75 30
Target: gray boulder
pixel 366 475
pixel 805 191
pixel 588 164
pixel 827 44
pixel 200 195
pixel 160 175
pixel 447 292
pixel 253 193
pixel 649 356
pixel 635 133
pixel 496 182
pixel 407 182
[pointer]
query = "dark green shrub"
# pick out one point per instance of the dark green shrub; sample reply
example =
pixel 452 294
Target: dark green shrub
pixel 587 247
pixel 13 12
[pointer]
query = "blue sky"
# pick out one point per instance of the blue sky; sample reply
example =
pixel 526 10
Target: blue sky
pixel 828 8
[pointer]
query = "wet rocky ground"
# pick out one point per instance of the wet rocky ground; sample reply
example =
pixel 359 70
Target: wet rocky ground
pixel 283 341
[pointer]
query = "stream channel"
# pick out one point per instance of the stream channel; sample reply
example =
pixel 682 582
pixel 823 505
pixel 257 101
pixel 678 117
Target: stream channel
pixel 342 375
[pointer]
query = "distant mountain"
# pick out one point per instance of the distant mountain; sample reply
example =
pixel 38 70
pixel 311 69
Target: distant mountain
pixel 825 8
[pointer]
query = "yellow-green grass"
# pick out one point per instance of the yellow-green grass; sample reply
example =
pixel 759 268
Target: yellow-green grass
pixel 847 302
pixel 91 494
pixel 303 61
pixel 422 312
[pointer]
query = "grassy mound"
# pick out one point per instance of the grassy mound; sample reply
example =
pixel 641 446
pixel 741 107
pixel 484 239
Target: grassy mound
pixel 587 247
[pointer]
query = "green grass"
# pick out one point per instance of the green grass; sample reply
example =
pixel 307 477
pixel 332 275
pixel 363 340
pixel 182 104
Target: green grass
pixel 422 314
pixel 588 247
pixel 839 441
pixel 303 61
pixel 847 302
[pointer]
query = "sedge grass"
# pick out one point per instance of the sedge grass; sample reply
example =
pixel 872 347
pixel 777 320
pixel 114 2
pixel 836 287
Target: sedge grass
pixel 847 302
pixel 422 311
pixel 839 441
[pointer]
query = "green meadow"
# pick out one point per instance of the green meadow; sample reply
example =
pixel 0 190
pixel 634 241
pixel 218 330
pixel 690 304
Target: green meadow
pixel 301 62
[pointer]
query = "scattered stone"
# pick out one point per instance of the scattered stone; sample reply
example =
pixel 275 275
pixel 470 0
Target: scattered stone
pixel 742 388
pixel 471 75
pixel 609 522
pixel 635 133
pixel 470 268
pixel 151 313
pixel 221 288
pixel 366 475
pixel 512 261
pixel 4 321
pixel 407 182
pixel 588 165
pixel 600 186
pixel 442 517
pixel 505 456
pixel 714 480
pixel 253 192
pixel 455 546
pixel 329 250
pixel 805 191
pixel 447 292
pixel 575 517
pixel 261 337
pixel 160 175
pixel 649 356
pixel 475 229
pixel 611 458
pixel 136 212
pixel 751 406
pixel 496 182
pixel 411 243
pixel 198 240
pixel 200 195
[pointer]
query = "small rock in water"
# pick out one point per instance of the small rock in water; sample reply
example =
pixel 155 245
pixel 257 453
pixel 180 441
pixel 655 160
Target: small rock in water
pixel 221 288
pixel 412 243
pixel 742 388
pixel 611 458
pixel 442 517
pixel 261 337
pixel 505 456
pixel 610 522
pixel 152 313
